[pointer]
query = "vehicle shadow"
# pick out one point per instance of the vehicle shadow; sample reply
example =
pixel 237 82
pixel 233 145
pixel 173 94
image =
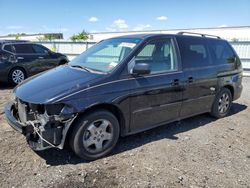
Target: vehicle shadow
pixel 4 86
pixel 56 157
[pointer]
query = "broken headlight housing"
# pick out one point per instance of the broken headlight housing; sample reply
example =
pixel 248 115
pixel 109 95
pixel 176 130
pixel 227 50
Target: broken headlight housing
pixel 12 96
pixel 54 109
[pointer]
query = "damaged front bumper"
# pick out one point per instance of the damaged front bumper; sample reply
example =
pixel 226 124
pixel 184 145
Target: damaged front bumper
pixel 41 130
pixel 12 120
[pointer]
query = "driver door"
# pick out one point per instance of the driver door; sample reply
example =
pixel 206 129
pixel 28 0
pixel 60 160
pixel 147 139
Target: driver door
pixel 156 98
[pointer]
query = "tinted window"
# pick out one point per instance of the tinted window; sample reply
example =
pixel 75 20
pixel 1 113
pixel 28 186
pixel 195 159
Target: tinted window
pixel 160 55
pixel 194 52
pixel 8 48
pixel 23 48
pixel 39 49
pixel 221 52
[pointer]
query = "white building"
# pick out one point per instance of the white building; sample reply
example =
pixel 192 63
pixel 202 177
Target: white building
pixel 240 33
pixel 33 37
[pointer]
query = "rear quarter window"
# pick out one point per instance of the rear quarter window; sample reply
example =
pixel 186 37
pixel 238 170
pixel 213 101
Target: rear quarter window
pixel 194 52
pixel 23 48
pixel 221 52
pixel 8 48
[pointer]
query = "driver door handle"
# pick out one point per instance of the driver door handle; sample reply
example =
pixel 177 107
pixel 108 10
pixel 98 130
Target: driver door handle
pixel 40 57
pixel 190 79
pixel 175 82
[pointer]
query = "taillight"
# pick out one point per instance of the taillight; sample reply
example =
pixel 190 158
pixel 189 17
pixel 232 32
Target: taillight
pixel 7 57
pixel 3 57
pixel 12 59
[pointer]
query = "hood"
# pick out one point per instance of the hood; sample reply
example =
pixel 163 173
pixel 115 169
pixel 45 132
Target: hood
pixel 53 84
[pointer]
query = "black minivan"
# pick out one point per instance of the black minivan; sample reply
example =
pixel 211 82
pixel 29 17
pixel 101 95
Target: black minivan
pixel 21 59
pixel 125 85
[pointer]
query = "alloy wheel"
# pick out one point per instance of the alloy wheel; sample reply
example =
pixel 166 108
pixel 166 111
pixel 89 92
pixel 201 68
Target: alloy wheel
pixel 98 136
pixel 223 103
pixel 17 76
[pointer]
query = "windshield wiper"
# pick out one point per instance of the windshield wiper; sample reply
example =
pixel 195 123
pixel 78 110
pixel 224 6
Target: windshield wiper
pixel 81 67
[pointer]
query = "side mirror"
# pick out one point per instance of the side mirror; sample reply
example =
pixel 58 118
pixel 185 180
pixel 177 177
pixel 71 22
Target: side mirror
pixel 141 69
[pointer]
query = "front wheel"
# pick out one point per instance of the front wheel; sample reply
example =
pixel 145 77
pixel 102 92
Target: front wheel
pixel 95 135
pixel 222 103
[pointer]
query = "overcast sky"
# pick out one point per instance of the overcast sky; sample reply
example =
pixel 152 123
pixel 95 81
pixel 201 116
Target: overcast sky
pixel 72 16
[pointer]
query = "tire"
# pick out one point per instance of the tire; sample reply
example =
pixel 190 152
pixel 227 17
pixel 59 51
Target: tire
pixel 222 103
pixel 95 135
pixel 16 76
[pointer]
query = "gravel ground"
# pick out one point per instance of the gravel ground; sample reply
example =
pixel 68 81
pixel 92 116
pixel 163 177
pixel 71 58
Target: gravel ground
pixel 196 152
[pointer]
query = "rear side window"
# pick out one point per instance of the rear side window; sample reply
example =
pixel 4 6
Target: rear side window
pixel 221 52
pixel 23 48
pixel 194 52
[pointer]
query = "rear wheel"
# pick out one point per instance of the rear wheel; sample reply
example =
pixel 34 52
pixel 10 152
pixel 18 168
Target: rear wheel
pixel 16 76
pixel 95 135
pixel 222 103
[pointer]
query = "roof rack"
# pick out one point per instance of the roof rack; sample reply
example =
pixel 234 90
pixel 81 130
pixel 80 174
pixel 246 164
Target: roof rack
pixel 202 35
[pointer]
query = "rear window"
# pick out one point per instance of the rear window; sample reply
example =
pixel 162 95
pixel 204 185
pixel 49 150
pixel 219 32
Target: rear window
pixel 221 52
pixel 8 48
pixel 23 48
pixel 194 52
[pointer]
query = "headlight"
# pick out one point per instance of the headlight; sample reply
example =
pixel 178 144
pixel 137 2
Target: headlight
pixel 12 96
pixel 54 109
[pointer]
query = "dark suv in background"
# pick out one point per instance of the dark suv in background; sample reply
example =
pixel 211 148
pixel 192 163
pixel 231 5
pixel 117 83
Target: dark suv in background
pixel 125 85
pixel 21 59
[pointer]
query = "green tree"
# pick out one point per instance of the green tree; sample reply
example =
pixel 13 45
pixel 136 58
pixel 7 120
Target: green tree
pixel 235 40
pixel 80 36
pixel 17 36
pixel 49 37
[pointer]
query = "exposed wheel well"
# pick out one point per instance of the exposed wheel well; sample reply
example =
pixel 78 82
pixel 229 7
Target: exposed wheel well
pixel 231 89
pixel 109 107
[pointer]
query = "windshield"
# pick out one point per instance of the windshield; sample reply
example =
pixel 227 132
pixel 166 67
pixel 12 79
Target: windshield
pixel 106 55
